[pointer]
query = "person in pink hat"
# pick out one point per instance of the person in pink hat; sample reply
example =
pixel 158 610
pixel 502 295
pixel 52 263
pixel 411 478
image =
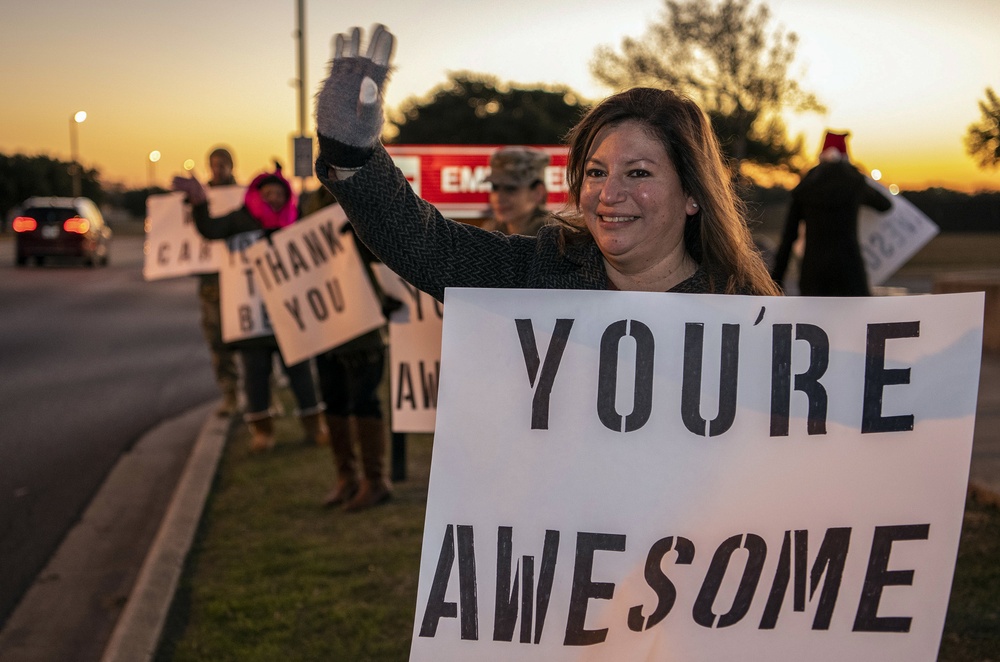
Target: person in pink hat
pixel 827 200
pixel 269 205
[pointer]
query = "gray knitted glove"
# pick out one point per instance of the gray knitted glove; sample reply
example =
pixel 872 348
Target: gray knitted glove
pixel 349 106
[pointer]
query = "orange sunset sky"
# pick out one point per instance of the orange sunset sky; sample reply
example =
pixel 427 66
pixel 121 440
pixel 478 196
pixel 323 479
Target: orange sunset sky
pixel 904 76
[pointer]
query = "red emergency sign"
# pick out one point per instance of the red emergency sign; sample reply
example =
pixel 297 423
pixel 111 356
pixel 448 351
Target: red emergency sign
pixel 453 177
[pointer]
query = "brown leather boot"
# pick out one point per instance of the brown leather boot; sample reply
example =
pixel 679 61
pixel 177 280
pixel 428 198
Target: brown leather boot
pixel 262 434
pixel 344 461
pixel 375 487
pixel 315 428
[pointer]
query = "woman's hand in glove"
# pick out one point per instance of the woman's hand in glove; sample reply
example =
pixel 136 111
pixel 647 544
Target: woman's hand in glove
pixel 349 106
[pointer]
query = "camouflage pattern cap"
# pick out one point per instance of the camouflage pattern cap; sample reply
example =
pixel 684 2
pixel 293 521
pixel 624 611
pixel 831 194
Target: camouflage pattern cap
pixel 517 166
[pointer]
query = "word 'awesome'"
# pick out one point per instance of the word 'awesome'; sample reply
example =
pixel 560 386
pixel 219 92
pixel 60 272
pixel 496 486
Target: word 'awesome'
pixel 526 595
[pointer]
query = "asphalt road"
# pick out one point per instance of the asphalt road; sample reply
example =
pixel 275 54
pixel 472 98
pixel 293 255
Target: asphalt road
pixel 90 359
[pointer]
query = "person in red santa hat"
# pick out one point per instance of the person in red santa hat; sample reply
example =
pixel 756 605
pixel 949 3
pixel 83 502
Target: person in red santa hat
pixel 828 200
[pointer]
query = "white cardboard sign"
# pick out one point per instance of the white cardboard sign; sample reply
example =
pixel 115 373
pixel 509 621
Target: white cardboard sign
pixel 644 476
pixel 414 353
pixel 315 287
pixel 890 238
pixel 173 246
pixel 244 315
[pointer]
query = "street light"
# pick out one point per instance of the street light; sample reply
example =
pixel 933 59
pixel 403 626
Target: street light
pixel 154 156
pixel 74 119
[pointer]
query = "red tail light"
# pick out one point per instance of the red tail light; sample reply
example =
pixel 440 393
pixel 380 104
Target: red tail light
pixel 24 224
pixel 77 225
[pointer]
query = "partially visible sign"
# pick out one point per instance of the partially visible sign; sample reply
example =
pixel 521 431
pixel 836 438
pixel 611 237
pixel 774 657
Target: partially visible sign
pixel 315 287
pixel 453 177
pixel 242 306
pixel 414 353
pixel 173 246
pixel 655 476
pixel 888 239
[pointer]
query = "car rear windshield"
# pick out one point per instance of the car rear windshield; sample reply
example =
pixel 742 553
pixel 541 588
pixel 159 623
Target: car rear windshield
pixel 50 215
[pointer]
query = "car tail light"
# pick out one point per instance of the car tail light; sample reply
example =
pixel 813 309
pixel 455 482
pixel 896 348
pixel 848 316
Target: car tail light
pixel 24 224
pixel 77 225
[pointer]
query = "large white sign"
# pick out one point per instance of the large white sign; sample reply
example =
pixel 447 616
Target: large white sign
pixel 888 239
pixel 315 287
pixel 414 353
pixel 173 246
pixel 241 304
pixel 643 476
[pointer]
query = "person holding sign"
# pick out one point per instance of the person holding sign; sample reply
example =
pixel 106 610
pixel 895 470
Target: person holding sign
pixel 828 199
pixel 220 163
pixel 517 190
pixel 269 205
pixel 349 377
pixel 652 203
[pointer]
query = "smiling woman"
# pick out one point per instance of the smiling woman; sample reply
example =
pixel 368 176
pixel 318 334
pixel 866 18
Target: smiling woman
pixel 653 204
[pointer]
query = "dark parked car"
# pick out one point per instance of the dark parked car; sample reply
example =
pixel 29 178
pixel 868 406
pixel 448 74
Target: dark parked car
pixel 61 227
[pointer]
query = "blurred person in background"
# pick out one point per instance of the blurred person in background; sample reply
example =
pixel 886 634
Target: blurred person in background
pixel 224 359
pixel 269 205
pixel 349 377
pixel 518 193
pixel 828 200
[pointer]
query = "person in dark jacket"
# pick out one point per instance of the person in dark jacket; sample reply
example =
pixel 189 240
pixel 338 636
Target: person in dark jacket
pixel 220 163
pixel 269 205
pixel 828 200
pixel 653 206
pixel 349 377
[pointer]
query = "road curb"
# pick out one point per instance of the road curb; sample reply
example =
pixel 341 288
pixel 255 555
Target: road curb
pixel 138 630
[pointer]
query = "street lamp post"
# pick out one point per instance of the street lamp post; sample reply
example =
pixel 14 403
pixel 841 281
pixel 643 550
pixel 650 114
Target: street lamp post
pixel 76 118
pixel 154 156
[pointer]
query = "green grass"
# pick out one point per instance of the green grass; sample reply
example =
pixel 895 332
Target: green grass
pixel 972 628
pixel 273 576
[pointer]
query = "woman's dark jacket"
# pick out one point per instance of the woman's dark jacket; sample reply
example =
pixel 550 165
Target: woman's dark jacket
pixel 432 253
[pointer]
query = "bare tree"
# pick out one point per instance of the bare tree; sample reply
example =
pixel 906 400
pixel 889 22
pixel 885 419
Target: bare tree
pixel 982 139
pixel 722 56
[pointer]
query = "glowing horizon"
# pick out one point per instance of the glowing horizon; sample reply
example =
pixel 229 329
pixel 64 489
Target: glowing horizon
pixel 905 76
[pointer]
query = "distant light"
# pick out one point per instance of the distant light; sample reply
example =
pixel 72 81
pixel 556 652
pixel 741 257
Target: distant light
pixel 80 116
pixel 154 156
pixel 893 189
pixel 876 174
pixel 189 165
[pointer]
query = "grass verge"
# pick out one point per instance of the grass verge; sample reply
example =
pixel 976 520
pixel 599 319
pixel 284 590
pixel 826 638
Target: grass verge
pixel 273 576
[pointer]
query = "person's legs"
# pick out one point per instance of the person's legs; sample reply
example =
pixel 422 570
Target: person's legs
pixel 300 379
pixel 334 383
pixel 223 359
pixel 257 388
pixel 366 369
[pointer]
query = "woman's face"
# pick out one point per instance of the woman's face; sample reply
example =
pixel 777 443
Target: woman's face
pixel 631 198
pixel 274 195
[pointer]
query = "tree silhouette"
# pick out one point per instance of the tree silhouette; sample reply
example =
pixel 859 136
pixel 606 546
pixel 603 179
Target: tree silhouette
pixel 982 139
pixel 476 108
pixel 722 57
pixel 23 176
